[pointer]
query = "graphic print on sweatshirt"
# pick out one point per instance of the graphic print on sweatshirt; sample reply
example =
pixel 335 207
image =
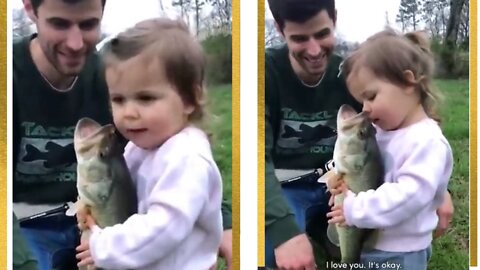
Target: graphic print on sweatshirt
pixel 46 154
pixel 306 132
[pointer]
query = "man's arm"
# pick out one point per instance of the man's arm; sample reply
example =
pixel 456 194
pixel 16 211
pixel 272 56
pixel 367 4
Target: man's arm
pixel 225 249
pixel 22 256
pixel 280 224
pixel 226 214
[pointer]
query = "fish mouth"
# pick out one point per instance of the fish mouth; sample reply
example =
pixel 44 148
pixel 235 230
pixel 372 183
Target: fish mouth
pixel 347 117
pixel 347 113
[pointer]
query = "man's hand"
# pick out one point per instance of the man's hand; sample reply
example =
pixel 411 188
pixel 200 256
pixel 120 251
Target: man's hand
pixel 445 214
pixel 225 250
pixel 295 254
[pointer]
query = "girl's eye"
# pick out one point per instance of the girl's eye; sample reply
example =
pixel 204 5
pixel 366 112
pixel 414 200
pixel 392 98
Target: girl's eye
pixel 146 98
pixel 371 97
pixel 117 100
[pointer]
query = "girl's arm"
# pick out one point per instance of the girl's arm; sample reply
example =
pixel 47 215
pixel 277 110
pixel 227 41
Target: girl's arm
pixel 426 169
pixel 175 203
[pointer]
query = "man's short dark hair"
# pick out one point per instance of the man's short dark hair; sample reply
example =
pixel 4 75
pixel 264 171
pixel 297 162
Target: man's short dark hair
pixel 299 11
pixel 37 3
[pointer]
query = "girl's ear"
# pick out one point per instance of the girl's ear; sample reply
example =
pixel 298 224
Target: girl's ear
pixel 412 82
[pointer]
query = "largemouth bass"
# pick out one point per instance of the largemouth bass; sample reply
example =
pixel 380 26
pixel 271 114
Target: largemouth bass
pixel 358 162
pixel 105 189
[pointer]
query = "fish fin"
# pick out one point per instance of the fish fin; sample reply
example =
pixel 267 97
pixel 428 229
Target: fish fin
pixel 72 209
pixel 332 234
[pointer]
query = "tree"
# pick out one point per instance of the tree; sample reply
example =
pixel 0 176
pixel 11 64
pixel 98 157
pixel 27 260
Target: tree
pixel 464 27
pixel 272 37
pixel 22 25
pixel 185 6
pixel 221 14
pixel 449 51
pixel 408 14
pixel 434 14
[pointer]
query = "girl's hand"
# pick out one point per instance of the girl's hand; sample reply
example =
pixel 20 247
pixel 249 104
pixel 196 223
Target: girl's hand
pixel 90 221
pixel 341 188
pixel 445 215
pixel 81 214
pixel 336 216
pixel 83 254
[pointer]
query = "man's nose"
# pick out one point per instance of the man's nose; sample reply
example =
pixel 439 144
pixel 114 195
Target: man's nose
pixel 313 48
pixel 75 39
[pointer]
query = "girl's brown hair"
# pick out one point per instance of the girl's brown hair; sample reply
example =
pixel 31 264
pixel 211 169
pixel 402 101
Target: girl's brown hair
pixel 169 43
pixel 388 55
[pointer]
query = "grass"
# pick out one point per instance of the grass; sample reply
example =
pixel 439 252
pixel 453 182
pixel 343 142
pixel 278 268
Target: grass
pixel 451 251
pixel 219 106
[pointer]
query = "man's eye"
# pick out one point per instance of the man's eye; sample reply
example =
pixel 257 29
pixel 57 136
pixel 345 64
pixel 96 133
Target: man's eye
pixel 60 24
pixel 299 39
pixel 88 25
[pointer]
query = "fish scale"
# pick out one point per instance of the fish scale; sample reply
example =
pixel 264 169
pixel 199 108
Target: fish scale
pixel 104 185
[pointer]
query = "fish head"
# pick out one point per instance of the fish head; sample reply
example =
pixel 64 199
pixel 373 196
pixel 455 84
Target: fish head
pixel 95 147
pixel 91 139
pixel 355 136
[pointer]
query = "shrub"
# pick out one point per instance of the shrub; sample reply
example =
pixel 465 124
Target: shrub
pixel 219 58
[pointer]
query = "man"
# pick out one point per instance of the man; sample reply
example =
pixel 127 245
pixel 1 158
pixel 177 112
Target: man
pixel 303 92
pixel 22 256
pixel 57 80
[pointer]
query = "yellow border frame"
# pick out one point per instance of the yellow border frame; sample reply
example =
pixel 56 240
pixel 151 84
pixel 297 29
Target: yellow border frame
pixel 261 134
pixel 236 134
pixel 3 133
pixel 472 134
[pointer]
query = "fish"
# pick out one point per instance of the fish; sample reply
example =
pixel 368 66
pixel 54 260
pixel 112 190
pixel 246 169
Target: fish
pixel 105 188
pixel 358 162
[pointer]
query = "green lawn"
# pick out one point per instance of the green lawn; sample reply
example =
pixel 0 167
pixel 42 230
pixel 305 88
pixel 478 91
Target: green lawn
pixel 451 251
pixel 219 105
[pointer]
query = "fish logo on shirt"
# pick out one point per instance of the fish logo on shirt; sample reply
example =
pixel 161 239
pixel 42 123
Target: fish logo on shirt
pixel 55 155
pixel 308 134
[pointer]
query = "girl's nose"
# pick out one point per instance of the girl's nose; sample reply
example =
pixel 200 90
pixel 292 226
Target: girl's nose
pixel 130 110
pixel 366 108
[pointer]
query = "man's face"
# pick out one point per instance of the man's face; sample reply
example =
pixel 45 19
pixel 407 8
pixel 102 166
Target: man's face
pixel 310 44
pixel 67 33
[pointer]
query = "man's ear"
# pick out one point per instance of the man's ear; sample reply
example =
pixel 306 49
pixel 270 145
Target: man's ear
pixel 280 32
pixel 335 18
pixel 27 4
